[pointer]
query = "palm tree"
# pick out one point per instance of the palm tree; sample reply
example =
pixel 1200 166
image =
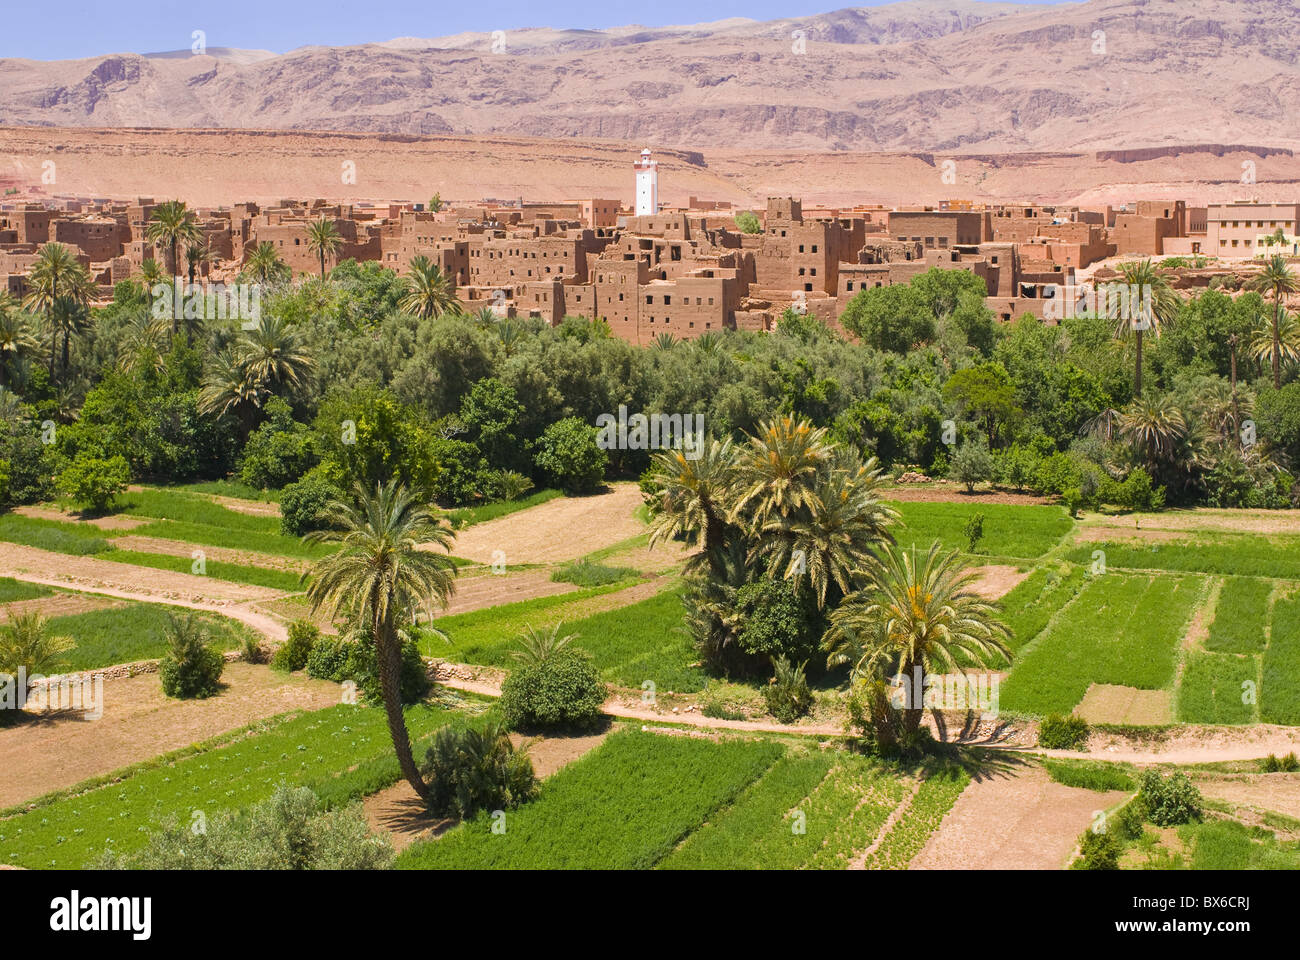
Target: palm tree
pixel 172 224
pixel 196 254
pixel 1265 343
pixel 273 355
pixel 1277 279
pixel 379 572
pixel 25 641
pixel 430 293
pixel 664 341
pixel 1146 281
pixel 17 343
pixel 510 334
pixel 538 646
pixel 152 274
pixel 1153 428
pixel 777 470
pixel 694 501
pixel 229 388
pixel 55 272
pixel 915 618
pixel 264 264
pixel 324 239
pixel 837 536
pixel 70 317
pixel 142 344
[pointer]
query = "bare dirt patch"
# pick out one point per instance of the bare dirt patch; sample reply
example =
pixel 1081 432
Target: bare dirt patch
pixel 1203 519
pixel 996 580
pixel 44 566
pixel 1109 703
pixel 58 605
pixel 53 752
pixel 1279 792
pixel 1016 819
pixel 487 589
pixel 562 529
pixel 254 508
pixel 113 521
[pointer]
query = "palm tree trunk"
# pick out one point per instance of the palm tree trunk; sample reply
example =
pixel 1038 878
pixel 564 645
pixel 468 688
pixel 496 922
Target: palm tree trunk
pixel 176 320
pixel 1236 409
pixel 66 337
pixel 389 656
pixel 1137 375
pixel 322 263
pixel 914 711
pixel 1277 339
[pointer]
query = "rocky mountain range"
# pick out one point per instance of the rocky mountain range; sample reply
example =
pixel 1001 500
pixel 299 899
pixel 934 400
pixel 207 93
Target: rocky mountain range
pixel 923 75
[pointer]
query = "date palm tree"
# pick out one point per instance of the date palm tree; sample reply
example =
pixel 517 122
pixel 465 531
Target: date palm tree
pixel 1154 429
pixel 171 225
pixel 837 536
pixel 142 344
pixel 26 641
pixel 382 569
pixel 229 388
pixel 695 498
pixel 1285 344
pixel 1277 279
pixel 71 318
pixel 264 265
pixel 56 273
pixel 273 354
pixel 324 240
pixel 196 254
pixel 777 471
pixel 1156 306
pixel 17 342
pixel 915 617
pixel 429 292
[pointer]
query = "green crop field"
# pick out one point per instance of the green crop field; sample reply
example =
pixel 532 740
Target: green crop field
pixel 341 752
pixel 1213 688
pixel 624 806
pixel 1279 689
pixel 59 536
pixel 218 570
pixel 1240 616
pixel 1227 554
pixel 1010 530
pixel 131 632
pixel 11 591
pixel 1121 629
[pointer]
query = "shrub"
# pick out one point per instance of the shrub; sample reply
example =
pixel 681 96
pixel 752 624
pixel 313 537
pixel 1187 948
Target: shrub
pixel 252 651
pixel 94 482
pixel 1275 764
pixel 775 621
pixel 585 573
pixel 1098 851
pixel 303 503
pixel 1134 493
pixel 26 642
pixel 279 451
pixel 509 485
pixel 787 695
pixel 293 653
pixel 974 532
pixel 361 666
pixel 286 831
pixel 1072 499
pixel 469 770
pixel 971 464
pixel 327 659
pixel 1128 819
pixel 568 453
pixel 562 690
pixel 1057 732
pixel 192 667
pixel 1170 800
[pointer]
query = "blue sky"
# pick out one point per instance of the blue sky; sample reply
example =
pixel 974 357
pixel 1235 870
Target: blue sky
pixel 85 28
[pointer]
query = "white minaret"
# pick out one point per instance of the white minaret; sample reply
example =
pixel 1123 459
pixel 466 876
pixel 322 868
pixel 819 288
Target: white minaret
pixel 647 185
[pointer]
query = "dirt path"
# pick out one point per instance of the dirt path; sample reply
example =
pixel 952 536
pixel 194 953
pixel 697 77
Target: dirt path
pixel 561 529
pixel 955 493
pixel 255 508
pixel 1016 819
pixel 105 576
pixel 994 581
pixel 114 521
pixel 138 723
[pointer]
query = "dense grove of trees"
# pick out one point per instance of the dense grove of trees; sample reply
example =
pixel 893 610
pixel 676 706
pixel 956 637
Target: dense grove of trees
pixel 367 376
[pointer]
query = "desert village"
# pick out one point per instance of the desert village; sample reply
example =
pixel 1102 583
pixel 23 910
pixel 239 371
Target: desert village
pixel 651 269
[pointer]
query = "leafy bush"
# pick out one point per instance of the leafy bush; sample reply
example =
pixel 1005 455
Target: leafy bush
pixel 252 651
pixel 278 452
pixel 303 502
pixel 94 482
pixel 1169 800
pixel 1057 732
pixel 286 831
pixel 974 531
pixel 26 642
pixel 293 653
pixel 192 666
pixel 328 659
pixel 1136 492
pixel 777 622
pixel 1098 851
pixel 787 695
pixel 342 659
pixel 568 453
pixel 562 690
pixel 470 769
pixel 1127 821
pixel 971 464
